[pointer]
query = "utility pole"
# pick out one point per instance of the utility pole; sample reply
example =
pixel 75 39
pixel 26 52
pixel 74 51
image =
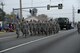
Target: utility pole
pixel 21 9
pixel 73 15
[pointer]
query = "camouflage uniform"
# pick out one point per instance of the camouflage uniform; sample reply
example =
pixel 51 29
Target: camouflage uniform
pixel 21 27
pixel 55 27
pixel 78 27
pixel 17 26
pixel 31 28
pixel 58 28
pixel 34 27
pixel 44 28
pixel 39 27
pixel 24 29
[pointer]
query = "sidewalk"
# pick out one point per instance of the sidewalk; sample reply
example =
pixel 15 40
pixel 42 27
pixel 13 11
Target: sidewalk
pixel 6 34
pixel 1 32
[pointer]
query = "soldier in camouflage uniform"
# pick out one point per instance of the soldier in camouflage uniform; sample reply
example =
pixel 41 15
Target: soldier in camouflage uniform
pixel 57 27
pixel 45 27
pixel 31 27
pixel 36 27
pixel 53 26
pixel 21 27
pixel 78 27
pixel 17 26
pixel 39 27
pixel 42 26
pixel 24 29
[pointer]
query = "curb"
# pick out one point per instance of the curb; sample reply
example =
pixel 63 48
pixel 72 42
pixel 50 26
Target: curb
pixel 2 33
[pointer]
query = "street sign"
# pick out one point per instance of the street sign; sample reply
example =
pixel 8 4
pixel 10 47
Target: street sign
pixel 35 10
pixel 30 11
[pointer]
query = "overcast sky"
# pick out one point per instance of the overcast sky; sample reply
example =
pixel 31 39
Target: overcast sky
pixel 53 12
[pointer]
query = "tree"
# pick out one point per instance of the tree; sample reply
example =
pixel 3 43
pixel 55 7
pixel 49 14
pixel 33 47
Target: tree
pixel 11 15
pixel 2 15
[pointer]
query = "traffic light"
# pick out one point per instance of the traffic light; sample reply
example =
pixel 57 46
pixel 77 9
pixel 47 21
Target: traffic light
pixel 60 6
pixel 48 7
pixel 78 10
pixel 30 11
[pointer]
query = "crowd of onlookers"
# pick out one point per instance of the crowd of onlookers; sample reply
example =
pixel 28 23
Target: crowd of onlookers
pixel 8 27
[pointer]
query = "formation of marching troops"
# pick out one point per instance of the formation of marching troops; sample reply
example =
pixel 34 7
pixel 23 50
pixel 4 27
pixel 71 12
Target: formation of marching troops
pixel 36 28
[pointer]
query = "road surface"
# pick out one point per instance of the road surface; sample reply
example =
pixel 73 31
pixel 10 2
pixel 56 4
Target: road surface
pixel 63 42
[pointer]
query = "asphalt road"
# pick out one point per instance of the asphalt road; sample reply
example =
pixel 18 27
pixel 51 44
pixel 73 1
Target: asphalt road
pixel 70 44
pixel 63 42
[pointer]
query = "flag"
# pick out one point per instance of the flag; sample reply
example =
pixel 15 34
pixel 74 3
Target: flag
pixel 17 16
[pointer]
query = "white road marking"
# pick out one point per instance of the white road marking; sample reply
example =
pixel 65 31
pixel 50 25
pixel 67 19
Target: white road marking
pixel 24 44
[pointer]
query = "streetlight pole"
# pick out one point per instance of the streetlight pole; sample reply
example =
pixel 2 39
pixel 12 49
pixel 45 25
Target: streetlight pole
pixel 73 15
pixel 21 9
